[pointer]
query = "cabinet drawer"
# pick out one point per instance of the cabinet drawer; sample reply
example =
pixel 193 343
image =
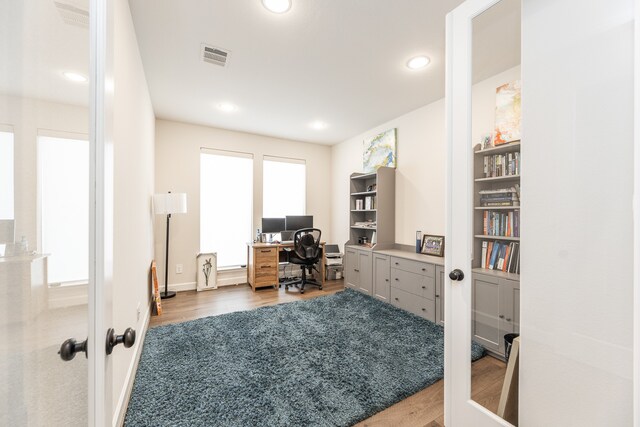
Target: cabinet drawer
pixel 416 284
pixel 419 306
pixel 414 266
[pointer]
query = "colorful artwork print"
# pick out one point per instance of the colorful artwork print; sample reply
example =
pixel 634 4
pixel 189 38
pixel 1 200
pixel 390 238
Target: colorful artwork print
pixel 379 151
pixel 508 113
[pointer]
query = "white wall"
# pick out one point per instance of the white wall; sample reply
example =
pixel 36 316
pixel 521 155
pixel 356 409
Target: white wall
pixel 577 228
pixel 420 174
pixel 133 134
pixel 178 170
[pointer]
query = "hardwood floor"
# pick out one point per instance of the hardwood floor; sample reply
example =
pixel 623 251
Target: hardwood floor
pixel 423 409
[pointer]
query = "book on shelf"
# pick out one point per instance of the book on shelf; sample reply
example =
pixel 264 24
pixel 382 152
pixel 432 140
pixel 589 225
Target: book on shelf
pixel 500 197
pixel 504 224
pixel 367 224
pixel 497 165
pixel 501 256
pixel 359 204
pixel 369 202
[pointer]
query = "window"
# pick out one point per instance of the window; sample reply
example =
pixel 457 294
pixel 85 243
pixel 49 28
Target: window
pixel 64 207
pixel 6 175
pixel 226 205
pixel 284 187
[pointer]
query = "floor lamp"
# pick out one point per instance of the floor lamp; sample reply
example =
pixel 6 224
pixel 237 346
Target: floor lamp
pixel 167 204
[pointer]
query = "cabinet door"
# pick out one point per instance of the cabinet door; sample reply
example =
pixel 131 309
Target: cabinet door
pixel 352 276
pixel 486 313
pixel 365 267
pixel 440 295
pixel 381 275
pixel 510 303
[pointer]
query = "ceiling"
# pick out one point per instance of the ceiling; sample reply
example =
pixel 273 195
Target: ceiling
pixel 340 62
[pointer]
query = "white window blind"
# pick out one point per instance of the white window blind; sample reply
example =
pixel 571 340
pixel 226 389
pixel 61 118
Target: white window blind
pixel 226 205
pixel 6 175
pixel 64 207
pixel 284 187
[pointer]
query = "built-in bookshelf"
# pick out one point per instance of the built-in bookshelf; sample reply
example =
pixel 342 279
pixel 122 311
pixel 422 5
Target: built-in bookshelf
pixel 372 208
pixel 496 215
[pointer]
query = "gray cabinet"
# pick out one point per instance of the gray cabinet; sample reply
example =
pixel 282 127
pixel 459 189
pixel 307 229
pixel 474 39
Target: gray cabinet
pixel 496 310
pixel 381 276
pixel 439 295
pixel 358 270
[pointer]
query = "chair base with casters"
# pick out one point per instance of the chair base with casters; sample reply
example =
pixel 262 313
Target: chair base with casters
pixel 303 281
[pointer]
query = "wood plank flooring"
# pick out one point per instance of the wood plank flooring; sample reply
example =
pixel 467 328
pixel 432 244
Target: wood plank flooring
pixel 423 409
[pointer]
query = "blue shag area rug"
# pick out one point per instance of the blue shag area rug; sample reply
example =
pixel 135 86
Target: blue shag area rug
pixel 328 361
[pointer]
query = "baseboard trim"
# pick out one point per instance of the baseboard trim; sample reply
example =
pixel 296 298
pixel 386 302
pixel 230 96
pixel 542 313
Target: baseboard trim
pixel 179 287
pixel 125 395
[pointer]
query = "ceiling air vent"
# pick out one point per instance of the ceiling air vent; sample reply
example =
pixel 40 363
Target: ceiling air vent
pixel 214 55
pixel 73 12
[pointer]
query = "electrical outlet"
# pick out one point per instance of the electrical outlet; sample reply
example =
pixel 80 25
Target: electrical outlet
pixel 178 268
pixel 138 311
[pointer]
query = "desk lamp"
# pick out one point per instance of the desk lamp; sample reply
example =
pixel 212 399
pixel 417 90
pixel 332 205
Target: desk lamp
pixel 167 204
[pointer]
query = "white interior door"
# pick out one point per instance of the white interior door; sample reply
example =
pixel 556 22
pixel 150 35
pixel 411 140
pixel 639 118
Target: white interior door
pixel 55 214
pixel 460 407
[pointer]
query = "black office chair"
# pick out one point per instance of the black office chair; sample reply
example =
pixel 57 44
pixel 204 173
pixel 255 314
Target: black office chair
pixel 306 252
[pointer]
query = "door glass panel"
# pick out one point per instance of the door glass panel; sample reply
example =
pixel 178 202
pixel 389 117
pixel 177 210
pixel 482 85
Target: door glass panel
pixel 44 89
pixel 496 107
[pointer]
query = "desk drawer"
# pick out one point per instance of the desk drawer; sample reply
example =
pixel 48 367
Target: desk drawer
pixel 268 254
pixel 414 266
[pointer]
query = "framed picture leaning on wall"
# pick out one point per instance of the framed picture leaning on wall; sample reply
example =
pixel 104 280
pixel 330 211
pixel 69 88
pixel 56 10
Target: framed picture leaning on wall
pixel 206 271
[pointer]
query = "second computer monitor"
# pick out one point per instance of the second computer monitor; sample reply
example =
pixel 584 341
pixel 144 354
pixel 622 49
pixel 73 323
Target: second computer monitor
pixel 296 222
pixel 273 225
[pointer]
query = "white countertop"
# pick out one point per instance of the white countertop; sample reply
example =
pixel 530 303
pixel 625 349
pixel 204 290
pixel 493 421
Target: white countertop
pixel 412 256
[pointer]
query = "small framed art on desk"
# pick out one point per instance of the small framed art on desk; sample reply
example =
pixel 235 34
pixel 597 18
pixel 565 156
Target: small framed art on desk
pixel 432 245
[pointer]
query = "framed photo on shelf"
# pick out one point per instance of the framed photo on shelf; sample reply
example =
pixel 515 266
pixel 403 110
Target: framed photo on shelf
pixel 432 245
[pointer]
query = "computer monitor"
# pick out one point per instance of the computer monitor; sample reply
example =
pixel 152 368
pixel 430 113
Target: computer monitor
pixel 273 225
pixel 296 222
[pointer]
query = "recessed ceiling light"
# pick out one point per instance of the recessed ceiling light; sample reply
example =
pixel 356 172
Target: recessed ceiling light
pixel 418 62
pixel 227 107
pixel 75 77
pixel 277 6
pixel 318 125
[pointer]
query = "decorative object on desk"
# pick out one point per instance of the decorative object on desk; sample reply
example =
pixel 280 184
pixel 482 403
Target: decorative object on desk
pixel 379 151
pixel 156 289
pixel 418 241
pixel 167 204
pixel 433 245
pixel 487 141
pixel 356 335
pixel 207 268
pixel 508 113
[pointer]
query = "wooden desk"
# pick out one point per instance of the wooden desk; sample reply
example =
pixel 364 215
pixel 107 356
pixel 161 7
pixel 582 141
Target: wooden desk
pixel 262 264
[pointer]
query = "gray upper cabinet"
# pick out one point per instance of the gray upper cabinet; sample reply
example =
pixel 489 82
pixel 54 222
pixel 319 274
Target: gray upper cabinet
pixel 381 276
pixel 439 295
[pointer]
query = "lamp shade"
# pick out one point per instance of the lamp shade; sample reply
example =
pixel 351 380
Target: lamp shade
pixel 169 203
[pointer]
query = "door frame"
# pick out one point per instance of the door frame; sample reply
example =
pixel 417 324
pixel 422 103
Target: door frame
pixel 101 210
pixel 636 217
pixel 459 408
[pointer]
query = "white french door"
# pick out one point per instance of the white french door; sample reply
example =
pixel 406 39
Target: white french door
pixel 460 408
pixel 54 369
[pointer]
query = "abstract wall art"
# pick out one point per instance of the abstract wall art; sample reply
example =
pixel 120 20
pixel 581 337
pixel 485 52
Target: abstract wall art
pixel 379 150
pixel 508 113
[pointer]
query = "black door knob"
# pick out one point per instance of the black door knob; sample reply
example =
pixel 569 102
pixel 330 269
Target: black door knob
pixel 456 275
pixel 70 347
pixel 128 339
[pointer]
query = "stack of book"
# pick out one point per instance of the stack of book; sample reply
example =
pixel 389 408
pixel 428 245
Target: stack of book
pixel 500 197
pixel 501 223
pixel 501 256
pixel 507 164
pixel 366 224
pixel 369 202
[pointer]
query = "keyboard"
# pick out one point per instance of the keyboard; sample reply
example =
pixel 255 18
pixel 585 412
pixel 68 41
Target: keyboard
pixel 286 242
